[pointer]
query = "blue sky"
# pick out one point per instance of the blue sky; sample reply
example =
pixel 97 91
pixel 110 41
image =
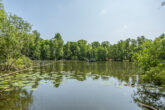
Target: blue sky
pixel 92 20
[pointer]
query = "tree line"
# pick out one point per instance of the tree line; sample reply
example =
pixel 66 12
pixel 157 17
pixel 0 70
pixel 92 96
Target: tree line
pixel 19 42
pixel 19 45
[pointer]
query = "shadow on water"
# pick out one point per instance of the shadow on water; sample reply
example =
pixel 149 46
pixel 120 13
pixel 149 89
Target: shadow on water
pixel 19 91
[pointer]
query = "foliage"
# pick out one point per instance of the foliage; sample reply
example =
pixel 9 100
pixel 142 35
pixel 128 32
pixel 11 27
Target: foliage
pixel 150 58
pixel 57 47
pixel 18 39
pixel 163 3
pixel 45 50
pixel 13 32
pixel 22 62
pixel 102 53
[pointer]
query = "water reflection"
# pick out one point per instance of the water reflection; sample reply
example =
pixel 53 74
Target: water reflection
pixel 17 99
pixel 123 71
pixel 105 83
pixel 150 96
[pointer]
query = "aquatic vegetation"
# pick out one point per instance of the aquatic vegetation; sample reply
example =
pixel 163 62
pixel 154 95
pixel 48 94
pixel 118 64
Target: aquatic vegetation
pixel 109 77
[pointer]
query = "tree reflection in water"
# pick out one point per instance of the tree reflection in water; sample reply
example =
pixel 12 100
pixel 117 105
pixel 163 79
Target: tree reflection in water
pixel 21 98
pixel 17 99
pixel 149 96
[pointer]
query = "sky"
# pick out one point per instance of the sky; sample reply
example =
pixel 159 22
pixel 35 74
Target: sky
pixel 92 20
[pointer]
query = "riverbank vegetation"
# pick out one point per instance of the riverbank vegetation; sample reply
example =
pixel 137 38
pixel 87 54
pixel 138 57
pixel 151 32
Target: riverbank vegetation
pixel 151 59
pixel 19 45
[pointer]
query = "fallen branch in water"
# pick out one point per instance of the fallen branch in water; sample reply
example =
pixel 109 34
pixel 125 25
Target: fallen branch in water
pixel 15 72
pixel 12 73
pixel 147 106
pixel 31 68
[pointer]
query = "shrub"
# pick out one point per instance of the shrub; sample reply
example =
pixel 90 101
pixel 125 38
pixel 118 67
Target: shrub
pixel 156 75
pixel 22 62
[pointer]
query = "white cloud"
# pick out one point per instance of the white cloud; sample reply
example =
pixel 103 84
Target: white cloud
pixel 103 11
pixel 125 27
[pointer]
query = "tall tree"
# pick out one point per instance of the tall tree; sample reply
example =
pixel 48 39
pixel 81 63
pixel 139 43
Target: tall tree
pixel 37 45
pixel 102 53
pixel 14 30
pixel 67 51
pixel 57 44
pixel 45 50
pixel 83 49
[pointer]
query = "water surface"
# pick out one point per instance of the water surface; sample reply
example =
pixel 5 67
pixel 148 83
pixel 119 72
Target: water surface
pixel 78 85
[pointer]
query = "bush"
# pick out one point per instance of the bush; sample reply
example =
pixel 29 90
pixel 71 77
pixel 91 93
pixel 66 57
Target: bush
pixel 15 64
pixel 150 58
pixel 156 75
pixel 23 62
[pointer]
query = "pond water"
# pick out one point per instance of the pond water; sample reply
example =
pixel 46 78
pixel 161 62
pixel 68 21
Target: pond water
pixel 78 85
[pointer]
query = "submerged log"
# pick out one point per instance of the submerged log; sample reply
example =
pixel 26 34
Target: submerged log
pixel 90 60
pixel 147 106
pixel 86 59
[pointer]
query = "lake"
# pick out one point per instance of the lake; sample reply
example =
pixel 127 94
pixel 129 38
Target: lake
pixel 79 85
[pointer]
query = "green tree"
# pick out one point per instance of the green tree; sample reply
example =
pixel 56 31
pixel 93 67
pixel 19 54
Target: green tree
pixel 45 50
pixel 105 44
pixel 57 47
pixel 83 49
pixel 37 45
pixel 102 53
pixel 67 51
pixel 13 32
pixel 95 44
pixel 75 50
pixel 151 59
pixel 133 49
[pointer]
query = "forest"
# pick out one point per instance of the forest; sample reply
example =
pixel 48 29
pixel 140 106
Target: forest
pixel 20 45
